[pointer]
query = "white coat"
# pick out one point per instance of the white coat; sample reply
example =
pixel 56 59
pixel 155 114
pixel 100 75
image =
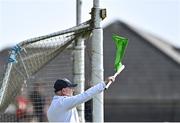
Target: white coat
pixel 63 108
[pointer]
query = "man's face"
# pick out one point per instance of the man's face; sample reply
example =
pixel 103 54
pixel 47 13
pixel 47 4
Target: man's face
pixel 68 91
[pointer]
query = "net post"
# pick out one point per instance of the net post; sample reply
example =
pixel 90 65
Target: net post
pixel 78 63
pixel 97 61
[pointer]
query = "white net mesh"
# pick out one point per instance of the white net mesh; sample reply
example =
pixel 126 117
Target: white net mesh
pixel 31 69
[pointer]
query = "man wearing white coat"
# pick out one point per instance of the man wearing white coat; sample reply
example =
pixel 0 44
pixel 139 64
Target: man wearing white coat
pixel 63 105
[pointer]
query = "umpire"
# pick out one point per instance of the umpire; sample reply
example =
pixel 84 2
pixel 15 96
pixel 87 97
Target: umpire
pixel 63 105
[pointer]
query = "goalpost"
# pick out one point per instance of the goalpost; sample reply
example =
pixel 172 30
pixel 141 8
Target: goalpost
pixel 30 56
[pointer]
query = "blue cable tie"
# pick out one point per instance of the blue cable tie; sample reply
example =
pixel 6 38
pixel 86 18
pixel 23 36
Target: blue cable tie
pixel 12 58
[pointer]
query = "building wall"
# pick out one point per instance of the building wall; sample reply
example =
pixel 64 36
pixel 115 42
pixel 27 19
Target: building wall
pixel 148 88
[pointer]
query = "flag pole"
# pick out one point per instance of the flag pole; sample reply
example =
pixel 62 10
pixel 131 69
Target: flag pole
pixel 117 73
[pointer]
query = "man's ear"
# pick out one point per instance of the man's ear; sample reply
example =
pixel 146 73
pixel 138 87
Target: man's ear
pixel 63 90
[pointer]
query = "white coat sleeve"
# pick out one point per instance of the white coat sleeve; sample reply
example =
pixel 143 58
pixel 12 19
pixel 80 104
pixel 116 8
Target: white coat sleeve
pixel 70 102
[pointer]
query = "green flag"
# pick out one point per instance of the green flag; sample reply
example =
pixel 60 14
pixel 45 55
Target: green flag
pixel 121 44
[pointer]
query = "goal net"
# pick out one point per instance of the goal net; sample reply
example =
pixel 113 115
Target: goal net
pixel 22 82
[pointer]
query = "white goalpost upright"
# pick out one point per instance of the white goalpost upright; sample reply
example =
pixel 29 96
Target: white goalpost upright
pixel 97 61
pixel 79 63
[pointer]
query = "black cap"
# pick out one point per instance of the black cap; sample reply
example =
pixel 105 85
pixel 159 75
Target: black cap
pixel 62 83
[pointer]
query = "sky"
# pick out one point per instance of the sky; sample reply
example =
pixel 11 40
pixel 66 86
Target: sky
pixel 24 19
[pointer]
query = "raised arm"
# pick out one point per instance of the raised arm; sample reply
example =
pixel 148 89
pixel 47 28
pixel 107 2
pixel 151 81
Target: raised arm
pixel 70 102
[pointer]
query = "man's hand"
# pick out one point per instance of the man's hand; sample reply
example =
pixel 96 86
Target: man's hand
pixel 109 79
